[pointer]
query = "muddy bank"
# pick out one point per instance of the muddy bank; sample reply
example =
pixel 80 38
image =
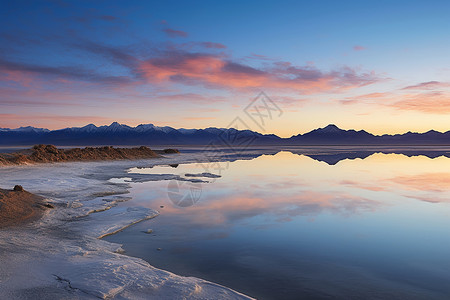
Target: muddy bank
pixel 49 153
pixel 18 206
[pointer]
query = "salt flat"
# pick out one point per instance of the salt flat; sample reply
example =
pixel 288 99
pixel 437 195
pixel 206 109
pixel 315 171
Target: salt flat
pixel 61 255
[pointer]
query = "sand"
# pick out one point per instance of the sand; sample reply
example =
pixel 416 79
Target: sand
pixel 19 207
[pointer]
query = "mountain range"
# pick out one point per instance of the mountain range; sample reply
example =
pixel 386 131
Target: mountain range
pixel 149 134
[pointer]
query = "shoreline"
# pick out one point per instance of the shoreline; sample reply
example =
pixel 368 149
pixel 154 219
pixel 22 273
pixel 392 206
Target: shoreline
pixel 63 251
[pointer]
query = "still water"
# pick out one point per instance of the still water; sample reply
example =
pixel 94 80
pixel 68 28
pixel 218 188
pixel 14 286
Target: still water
pixel 287 226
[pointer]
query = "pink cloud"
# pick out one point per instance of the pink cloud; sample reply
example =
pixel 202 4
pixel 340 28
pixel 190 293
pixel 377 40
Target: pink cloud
pixel 199 118
pixel 291 101
pixel 433 102
pixel 429 198
pixel 172 33
pixel 217 71
pixel 35 84
pixel 21 78
pixel 359 48
pixel 427 85
pixel 179 63
pixel 363 98
pixel 212 45
pixel 191 97
pixel 260 57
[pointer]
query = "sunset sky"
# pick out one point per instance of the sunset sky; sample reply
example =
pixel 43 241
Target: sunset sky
pixel 382 66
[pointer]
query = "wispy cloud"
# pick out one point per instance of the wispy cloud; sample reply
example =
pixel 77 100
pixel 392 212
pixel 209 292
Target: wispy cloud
pixel 198 118
pixel 220 71
pixel 117 55
pixel 365 98
pixel 190 97
pixel 21 69
pixel 431 102
pixel 212 45
pixel 432 97
pixel 196 46
pixel 172 33
pixel 432 182
pixel 359 48
pixel 260 57
pixel 146 65
pixel 429 85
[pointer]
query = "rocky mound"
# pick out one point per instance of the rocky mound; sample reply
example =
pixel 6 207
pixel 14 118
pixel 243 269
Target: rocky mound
pixel 19 206
pixel 170 151
pixel 49 153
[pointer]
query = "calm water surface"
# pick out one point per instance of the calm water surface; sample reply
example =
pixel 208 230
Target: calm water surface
pixel 286 226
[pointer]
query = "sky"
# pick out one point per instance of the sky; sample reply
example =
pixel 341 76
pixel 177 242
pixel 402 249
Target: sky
pixel 381 66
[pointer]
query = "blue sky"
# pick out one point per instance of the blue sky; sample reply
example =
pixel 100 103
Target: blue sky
pixel 199 63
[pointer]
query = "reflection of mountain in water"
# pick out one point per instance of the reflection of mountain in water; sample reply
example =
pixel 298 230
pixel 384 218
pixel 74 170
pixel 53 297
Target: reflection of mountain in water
pixel 332 156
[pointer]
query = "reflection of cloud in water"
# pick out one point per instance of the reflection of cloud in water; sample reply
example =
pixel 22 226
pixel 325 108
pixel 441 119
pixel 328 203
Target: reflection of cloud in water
pixel 283 187
pixel 430 198
pixel 316 230
pixel 364 186
pixel 433 182
pixel 227 208
pixel 428 187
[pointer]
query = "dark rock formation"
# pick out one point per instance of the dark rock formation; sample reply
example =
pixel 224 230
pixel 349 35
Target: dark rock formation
pixel 171 151
pixel 18 188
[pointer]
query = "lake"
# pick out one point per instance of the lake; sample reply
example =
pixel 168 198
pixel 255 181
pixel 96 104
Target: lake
pixel 291 226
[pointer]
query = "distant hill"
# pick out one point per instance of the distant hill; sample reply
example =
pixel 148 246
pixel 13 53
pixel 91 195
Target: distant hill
pixel 149 134
pixel 119 134
pixel 333 135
